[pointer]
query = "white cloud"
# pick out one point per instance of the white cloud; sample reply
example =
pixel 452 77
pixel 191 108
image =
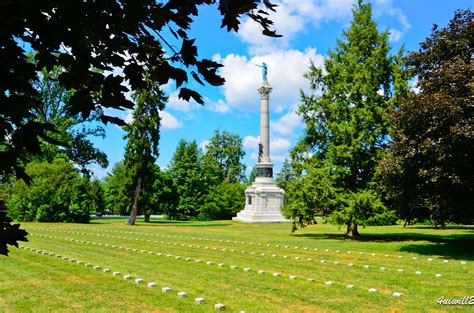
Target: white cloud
pixel 219 107
pixel 387 8
pixel 168 121
pixel 129 117
pixel 180 105
pixel 203 144
pixel 285 74
pixel 285 20
pixel 279 147
pixel 289 20
pixel 251 142
pixel 280 144
pixel 414 86
pixel 286 124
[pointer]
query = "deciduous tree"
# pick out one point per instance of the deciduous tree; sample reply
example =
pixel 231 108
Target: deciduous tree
pixel 428 173
pixel 57 194
pixel 223 157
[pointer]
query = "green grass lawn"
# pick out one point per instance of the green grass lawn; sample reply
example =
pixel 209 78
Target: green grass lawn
pixel 168 252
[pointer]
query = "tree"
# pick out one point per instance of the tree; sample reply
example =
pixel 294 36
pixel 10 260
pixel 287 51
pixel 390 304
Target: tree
pixel 286 175
pixel 57 194
pixel 347 127
pixel 187 171
pixel 96 193
pixel 428 171
pixel 162 197
pixel 252 176
pixel 70 130
pixel 143 135
pixel 89 39
pixel 116 195
pixel 223 201
pixel 223 157
pixel 10 234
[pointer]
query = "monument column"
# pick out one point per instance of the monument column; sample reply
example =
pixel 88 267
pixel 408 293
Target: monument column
pixel 264 124
pixel 263 199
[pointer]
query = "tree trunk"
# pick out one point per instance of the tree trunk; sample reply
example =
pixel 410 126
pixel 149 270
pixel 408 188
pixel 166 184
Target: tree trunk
pixel 147 218
pixel 352 231
pixel 133 214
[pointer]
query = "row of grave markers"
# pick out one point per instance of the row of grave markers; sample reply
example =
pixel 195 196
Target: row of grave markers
pixel 181 294
pixel 245 269
pixel 241 242
pixel 382 268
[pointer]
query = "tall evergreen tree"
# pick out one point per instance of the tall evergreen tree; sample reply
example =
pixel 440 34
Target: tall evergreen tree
pixel 187 171
pixel 143 135
pixel 429 170
pixel 347 126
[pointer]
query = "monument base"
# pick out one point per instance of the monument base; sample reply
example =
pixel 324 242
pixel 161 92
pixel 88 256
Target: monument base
pixel 263 200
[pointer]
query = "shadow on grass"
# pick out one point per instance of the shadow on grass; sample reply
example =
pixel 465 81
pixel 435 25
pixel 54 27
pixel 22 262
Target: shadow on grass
pixel 182 223
pixel 453 246
pixel 160 222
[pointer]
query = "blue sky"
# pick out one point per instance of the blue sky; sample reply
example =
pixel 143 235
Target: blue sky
pixel 310 28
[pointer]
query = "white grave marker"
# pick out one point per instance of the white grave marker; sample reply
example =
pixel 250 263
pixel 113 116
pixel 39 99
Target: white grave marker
pixel 200 300
pixel 219 307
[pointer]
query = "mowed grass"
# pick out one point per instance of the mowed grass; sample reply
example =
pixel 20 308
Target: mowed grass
pixel 175 255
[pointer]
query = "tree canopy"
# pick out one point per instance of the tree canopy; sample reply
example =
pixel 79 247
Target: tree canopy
pixel 187 171
pixel 223 157
pixel 91 40
pixel 143 135
pixel 70 130
pixel 428 171
pixel 58 194
pixel 347 127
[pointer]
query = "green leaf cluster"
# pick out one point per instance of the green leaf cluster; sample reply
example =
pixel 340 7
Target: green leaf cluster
pixel 57 194
pixel 428 174
pixel 223 157
pixel 210 183
pixel 223 201
pixel 347 127
pixel 187 170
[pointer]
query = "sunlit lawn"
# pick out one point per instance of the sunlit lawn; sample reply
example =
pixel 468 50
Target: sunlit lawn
pixel 167 253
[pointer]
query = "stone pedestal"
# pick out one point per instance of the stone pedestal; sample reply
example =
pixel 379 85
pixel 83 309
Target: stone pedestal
pixel 263 199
